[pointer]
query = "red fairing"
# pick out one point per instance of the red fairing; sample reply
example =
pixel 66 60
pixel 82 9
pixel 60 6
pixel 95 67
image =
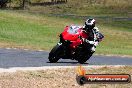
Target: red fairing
pixel 72 34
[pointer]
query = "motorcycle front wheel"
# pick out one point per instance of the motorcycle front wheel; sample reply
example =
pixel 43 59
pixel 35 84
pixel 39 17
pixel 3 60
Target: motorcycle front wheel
pixel 84 58
pixel 54 54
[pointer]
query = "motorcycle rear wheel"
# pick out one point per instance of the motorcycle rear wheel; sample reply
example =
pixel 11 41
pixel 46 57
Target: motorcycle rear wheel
pixel 54 54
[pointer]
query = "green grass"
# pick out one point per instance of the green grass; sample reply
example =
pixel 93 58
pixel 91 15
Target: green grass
pixel 116 42
pixel 31 30
pixel 34 31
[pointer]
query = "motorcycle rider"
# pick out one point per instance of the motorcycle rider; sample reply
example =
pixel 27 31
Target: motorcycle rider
pixel 94 35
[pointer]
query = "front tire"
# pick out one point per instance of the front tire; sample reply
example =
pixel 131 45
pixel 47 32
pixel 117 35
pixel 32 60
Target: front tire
pixel 54 54
pixel 84 58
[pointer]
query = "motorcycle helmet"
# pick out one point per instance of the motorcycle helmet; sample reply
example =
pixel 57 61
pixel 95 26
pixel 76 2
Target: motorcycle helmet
pixel 89 24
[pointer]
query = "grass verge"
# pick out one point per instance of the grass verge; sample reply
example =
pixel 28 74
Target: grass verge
pixel 88 7
pixel 59 78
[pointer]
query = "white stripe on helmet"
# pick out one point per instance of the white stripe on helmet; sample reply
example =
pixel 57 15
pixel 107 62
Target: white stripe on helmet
pixel 92 22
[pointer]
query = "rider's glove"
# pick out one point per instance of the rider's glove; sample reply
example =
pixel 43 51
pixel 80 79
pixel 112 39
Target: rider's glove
pixel 96 43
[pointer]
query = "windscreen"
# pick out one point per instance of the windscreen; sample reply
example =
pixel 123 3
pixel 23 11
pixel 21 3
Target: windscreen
pixel 73 29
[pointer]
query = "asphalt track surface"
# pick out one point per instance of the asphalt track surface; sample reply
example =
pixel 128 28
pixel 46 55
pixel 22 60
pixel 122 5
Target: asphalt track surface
pixel 10 58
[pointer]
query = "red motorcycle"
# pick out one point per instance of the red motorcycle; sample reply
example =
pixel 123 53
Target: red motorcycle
pixel 71 46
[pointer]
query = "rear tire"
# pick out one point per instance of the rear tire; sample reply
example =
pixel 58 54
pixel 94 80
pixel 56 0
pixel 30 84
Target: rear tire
pixel 54 54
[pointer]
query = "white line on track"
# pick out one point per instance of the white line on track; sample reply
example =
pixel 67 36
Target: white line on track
pixel 15 69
